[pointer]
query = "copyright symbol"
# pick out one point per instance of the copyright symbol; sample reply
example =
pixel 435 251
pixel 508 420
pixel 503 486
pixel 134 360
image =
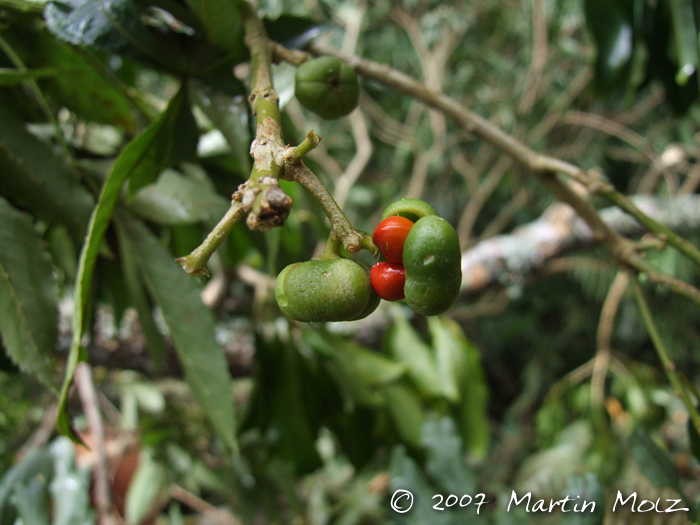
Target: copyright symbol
pixel 398 495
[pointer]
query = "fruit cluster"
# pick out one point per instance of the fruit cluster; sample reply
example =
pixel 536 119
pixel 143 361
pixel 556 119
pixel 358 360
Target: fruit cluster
pixel 423 266
pixel 423 258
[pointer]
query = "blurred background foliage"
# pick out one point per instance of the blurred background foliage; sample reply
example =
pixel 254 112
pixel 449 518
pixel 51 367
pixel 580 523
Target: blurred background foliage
pixel 531 385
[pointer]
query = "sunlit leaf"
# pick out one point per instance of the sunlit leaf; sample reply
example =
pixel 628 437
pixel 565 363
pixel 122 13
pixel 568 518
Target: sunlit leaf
pixel 459 364
pixel 406 475
pixel 32 501
pixel 406 411
pixel 37 464
pixel 70 487
pixel 590 490
pixel 176 199
pixel 446 459
pixel 150 481
pixel 407 347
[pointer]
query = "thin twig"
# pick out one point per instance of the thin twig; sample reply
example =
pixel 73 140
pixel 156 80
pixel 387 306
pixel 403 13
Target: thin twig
pixel 478 199
pixel 353 240
pixel 603 337
pixel 88 396
pixel 666 361
pixel 535 77
pixel 206 509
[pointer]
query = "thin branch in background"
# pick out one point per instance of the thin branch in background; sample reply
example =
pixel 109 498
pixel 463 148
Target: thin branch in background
pixel 88 397
pixel 666 361
pixel 506 214
pixel 465 168
pixel 42 434
pixel 691 183
pixel 531 247
pixel 359 161
pixel 202 507
pixel 644 107
pixel 561 104
pixel 491 303
pixel 388 130
pixel 611 127
pixel 672 158
pixel 606 324
pixel 353 24
pixel 536 81
pixel 478 199
pixel 543 167
pixel 433 63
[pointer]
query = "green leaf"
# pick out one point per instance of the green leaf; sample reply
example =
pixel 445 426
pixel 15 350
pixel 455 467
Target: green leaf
pixel 136 158
pixel 279 408
pixel 446 460
pixel 230 116
pixel 686 39
pixel 171 125
pixel 694 438
pixel 10 77
pixel 192 328
pixel 85 85
pixel 149 483
pixel 108 24
pixel 222 22
pixel 117 26
pixel 32 502
pixel 459 364
pixel 176 199
pixel 407 475
pixel 406 411
pixel 70 487
pixel 449 355
pixel 357 370
pixel 28 297
pixel 407 347
pixel 611 24
pixel 37 464
pixel 36 179
pixel 654 462
pixel 292 31
pixel 589 488
pixel 26 6
pixel 134 284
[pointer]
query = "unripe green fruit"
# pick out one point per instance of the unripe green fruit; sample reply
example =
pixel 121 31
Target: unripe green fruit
pixel 412 209
pixel 327 86
pixel 321 291
pixel 433 262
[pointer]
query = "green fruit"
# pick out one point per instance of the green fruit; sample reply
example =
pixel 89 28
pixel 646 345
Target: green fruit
pixel 412 209
pixel 433 262
pixel 320 291
pixel 327 86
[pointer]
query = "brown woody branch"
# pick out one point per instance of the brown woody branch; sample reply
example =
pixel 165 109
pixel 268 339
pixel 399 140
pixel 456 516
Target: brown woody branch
pixel 544 167
pixel 508 259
